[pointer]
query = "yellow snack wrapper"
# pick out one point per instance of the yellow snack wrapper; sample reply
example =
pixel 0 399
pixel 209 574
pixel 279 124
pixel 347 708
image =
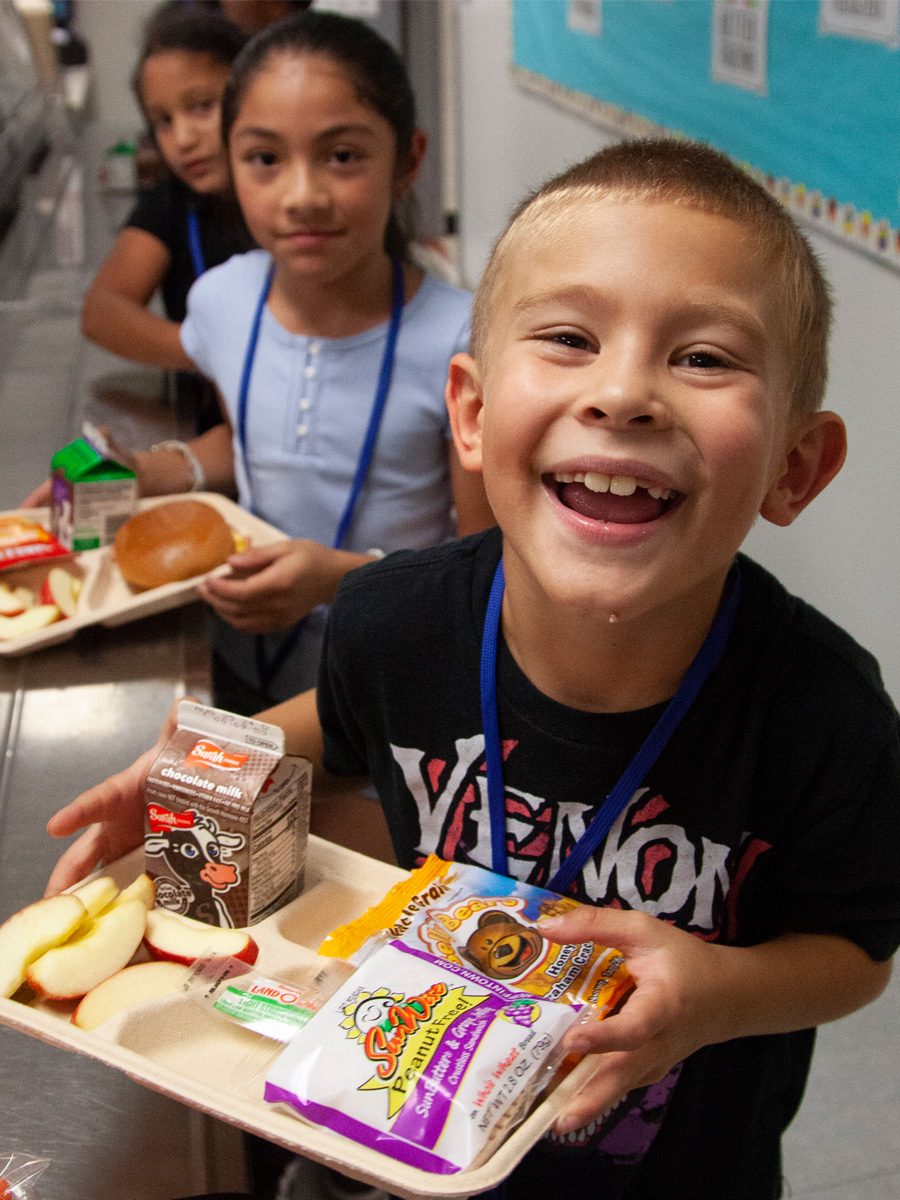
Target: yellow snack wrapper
pixel 472 917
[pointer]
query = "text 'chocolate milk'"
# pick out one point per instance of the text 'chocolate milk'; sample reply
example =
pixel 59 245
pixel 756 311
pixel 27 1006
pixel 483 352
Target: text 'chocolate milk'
pixel 226 818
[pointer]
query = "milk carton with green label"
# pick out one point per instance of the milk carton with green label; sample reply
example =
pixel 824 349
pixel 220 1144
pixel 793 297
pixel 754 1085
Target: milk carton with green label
pixel 92 495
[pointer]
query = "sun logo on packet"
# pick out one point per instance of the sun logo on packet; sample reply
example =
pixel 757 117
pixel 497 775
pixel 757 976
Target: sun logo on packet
pixel 402 1035
pixel 368 1010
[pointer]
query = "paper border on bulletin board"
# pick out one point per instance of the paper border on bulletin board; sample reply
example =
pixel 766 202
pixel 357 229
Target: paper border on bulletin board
pixel 817 122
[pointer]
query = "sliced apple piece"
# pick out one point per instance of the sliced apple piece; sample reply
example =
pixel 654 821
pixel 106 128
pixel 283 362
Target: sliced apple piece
pixel 143 889
pixel 97 894
pixel 10 604
pixel 131 985
pixel 62 589
pixel 97 951
pixel 182 939
pixel 31 932
pixel 25 596
pixel 28 621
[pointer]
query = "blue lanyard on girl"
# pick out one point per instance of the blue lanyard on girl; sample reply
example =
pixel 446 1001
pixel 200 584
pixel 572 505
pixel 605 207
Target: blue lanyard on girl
pixel 704 663
pixel 193 226
pixel 268 671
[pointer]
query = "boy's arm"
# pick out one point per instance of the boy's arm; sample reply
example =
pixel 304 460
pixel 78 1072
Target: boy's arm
pixel 690 993
pixel 299 718
pixel 112 813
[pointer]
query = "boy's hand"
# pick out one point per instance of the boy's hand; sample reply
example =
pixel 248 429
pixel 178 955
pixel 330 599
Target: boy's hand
pixel 690 993
pixel 673 1010
pixel 272 587
pixel 113 812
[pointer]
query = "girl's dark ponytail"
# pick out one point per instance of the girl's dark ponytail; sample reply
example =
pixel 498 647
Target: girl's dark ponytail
pixel 374 68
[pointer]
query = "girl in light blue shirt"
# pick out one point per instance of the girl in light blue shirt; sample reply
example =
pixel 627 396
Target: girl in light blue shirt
pixel 329 348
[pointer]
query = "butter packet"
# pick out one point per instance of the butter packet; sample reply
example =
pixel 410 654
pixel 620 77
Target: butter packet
pixel 273 1007
pixel 423 1060
pixel 469 916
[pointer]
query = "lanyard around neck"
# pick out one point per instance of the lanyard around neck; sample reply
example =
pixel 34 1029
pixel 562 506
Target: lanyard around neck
pixel 269 670
pixel 193 226
pixel 697 673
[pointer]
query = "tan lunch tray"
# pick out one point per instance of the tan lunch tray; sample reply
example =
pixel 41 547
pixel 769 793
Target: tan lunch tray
pixel 105 598
pixel 176 1047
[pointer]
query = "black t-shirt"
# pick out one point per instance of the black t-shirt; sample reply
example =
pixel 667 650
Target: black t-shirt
pixel 773 808
pixel 163 212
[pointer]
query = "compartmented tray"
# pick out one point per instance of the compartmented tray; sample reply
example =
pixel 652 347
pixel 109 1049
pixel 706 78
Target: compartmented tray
pixel 106 599
pixel 178 1048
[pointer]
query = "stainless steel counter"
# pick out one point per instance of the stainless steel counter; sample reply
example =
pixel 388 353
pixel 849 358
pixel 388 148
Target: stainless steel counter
pixel 72 715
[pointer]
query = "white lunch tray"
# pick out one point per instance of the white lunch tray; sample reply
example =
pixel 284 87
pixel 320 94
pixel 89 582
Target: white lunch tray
pixel 105 598
pixel 174 1046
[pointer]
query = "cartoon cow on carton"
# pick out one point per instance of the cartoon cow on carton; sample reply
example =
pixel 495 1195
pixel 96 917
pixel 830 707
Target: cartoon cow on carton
pixel 193 847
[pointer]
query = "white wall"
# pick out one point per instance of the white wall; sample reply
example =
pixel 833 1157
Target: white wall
pixel 842 554
pixel 112 30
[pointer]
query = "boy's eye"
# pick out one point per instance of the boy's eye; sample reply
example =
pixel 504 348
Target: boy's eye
pixel 568 337
pixel 262 158
pixel 703 360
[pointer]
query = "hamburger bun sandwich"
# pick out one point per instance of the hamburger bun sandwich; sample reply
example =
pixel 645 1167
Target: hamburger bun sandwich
pixel 171 542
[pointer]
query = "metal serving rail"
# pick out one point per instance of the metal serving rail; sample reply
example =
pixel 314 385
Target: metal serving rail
pixel 72 715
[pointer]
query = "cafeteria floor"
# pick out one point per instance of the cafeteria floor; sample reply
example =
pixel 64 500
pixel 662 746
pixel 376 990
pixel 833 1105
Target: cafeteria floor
pixel 845 1144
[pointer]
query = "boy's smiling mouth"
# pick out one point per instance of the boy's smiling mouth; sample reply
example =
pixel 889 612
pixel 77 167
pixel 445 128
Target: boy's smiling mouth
pixel 612 499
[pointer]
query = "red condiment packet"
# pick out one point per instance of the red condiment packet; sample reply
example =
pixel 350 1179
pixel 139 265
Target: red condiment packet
pixel 23 542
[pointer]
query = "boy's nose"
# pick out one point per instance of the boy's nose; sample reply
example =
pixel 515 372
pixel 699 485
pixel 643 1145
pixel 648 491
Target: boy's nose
pixel 623 393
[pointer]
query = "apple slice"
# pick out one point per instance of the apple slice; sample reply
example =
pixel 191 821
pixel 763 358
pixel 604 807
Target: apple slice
pixel 28 621
pixel 62 589
pixel 143 889
pixel 97 894
pixel 95 953
pixel 131 985
pixel 31 932
pixel 25 596
pixel 181 939
pixel 10 604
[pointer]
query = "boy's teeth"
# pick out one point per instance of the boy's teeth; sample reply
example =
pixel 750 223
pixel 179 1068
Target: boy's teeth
pixel 619 485
pixel 623 485
pixel 595 482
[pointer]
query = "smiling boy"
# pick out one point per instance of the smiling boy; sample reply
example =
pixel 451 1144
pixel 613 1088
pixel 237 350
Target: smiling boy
pixel 647 366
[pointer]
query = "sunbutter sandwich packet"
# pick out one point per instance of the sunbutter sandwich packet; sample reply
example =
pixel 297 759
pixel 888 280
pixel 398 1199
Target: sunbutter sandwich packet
pixel 424 1060
pixel 469 916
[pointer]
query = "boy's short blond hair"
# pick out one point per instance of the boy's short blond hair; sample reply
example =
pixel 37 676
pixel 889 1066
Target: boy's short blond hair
pixel 676 171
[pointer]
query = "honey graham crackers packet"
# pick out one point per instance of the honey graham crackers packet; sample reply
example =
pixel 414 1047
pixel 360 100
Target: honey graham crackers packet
pixel 471 917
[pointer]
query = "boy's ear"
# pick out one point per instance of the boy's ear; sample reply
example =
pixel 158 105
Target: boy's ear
pixel 408 171
pixel 813 458
pixel 465 404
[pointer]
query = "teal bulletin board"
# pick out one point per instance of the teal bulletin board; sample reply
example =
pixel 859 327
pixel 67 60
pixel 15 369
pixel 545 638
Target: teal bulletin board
pixel 821 129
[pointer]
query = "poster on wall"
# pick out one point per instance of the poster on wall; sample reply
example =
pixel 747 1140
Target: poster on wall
pixel 805 94
pixel 740 43
pixel 875 20
pixel 585 16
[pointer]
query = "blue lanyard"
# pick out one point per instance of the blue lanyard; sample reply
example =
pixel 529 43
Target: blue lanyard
pixel 197 258
pixel 268 671
pixel 697 673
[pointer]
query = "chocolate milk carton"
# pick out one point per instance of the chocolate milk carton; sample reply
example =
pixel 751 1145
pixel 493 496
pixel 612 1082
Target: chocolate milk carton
pixel 227 818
